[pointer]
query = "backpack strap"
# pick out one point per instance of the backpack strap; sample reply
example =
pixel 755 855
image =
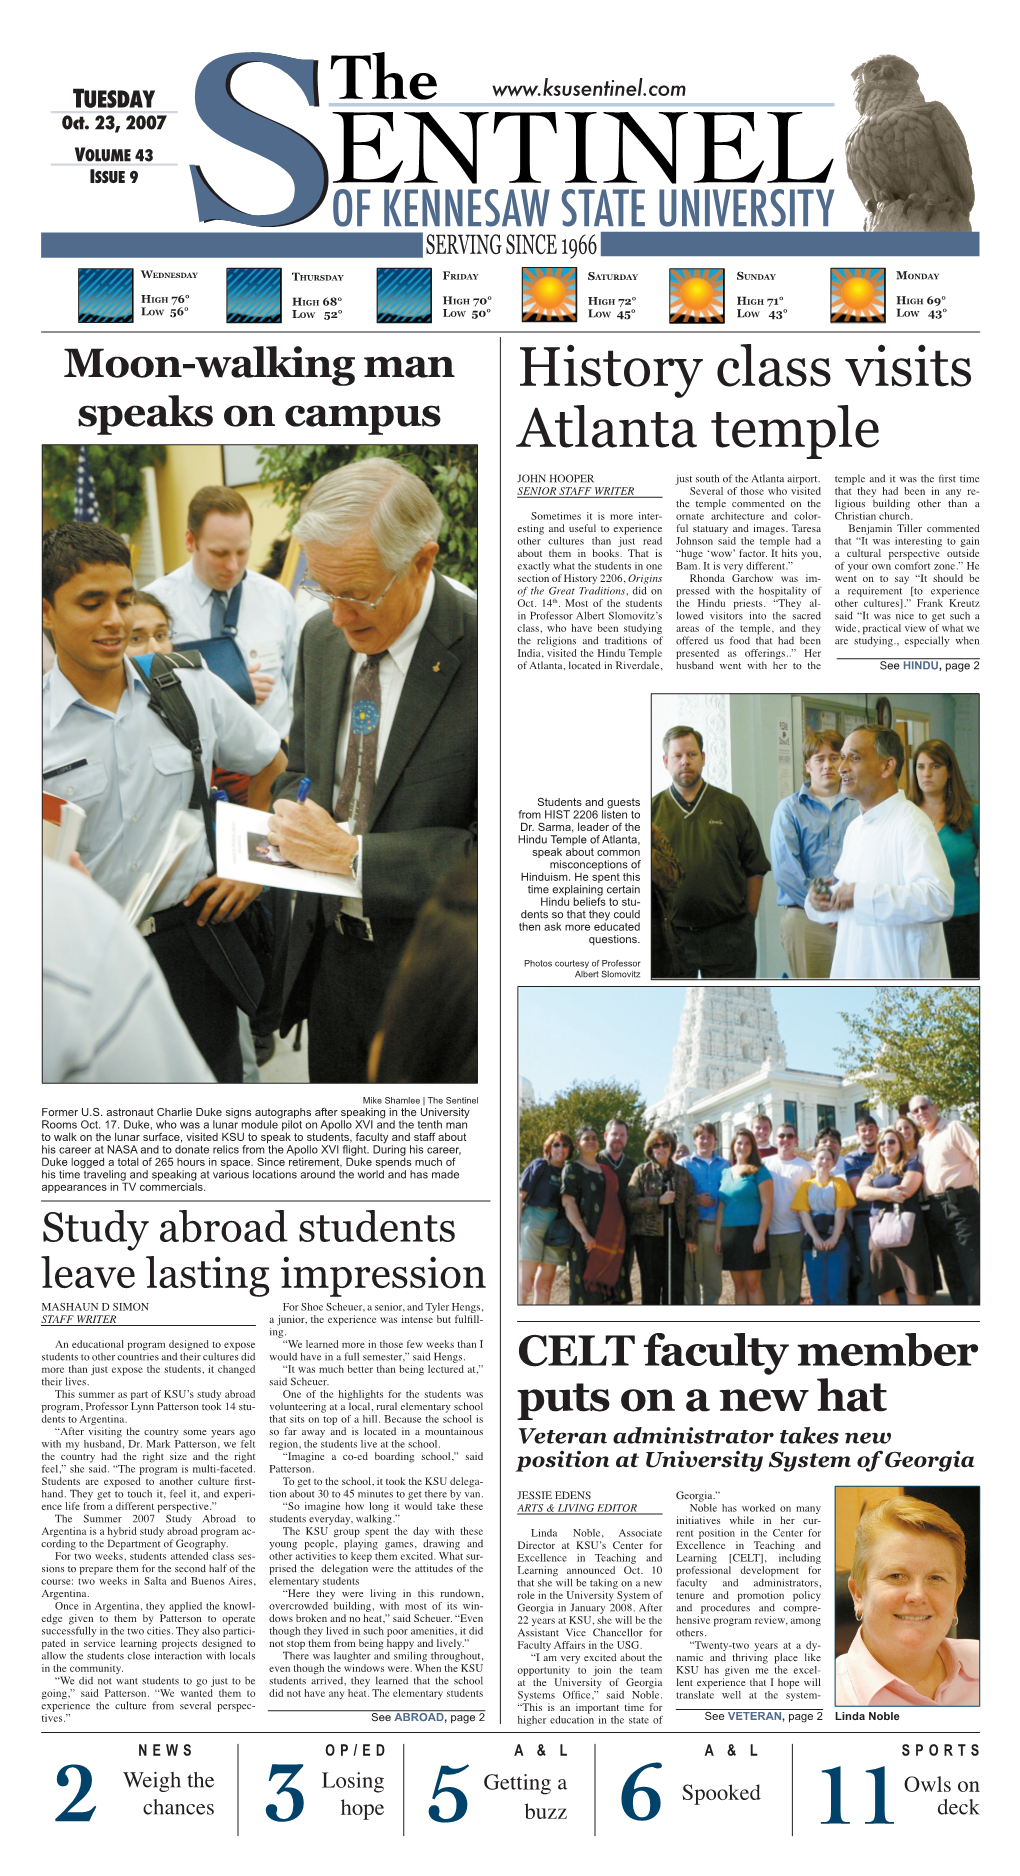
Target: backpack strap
pixel 160 673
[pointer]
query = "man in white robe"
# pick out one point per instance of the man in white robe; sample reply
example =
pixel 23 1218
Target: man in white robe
pixel 892 887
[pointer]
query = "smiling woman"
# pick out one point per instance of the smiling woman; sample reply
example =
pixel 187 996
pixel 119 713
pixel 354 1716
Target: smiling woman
pixel 908 1571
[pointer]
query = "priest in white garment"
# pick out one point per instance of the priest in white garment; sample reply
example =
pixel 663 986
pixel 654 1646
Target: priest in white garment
pixel 892 887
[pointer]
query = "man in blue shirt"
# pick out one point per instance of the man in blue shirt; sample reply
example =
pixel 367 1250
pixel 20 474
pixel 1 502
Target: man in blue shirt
pixel 805 843
pixel 105 750
pixel 857 1165
pixel 703 1282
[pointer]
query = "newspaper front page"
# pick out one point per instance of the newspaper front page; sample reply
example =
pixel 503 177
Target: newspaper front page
pixel 344 1533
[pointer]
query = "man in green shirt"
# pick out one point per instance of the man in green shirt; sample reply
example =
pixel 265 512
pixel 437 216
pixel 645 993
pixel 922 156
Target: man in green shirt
pixel 723 863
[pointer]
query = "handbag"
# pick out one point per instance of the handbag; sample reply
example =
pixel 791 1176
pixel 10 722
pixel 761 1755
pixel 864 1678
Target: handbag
pixel 894 1229
pixel 559 1233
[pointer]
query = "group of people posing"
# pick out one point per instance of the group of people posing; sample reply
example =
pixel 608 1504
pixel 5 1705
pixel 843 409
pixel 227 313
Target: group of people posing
pixel 869 1225
pixel 873 881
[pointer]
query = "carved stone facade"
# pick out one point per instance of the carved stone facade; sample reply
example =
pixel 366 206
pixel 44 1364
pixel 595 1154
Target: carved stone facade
pixel 726 1036
pixel 729 1064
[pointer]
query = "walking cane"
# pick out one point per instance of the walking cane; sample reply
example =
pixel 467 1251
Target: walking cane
pixel 669 1257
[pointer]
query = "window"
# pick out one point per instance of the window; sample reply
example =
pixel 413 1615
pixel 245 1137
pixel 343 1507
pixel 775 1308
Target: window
pixel 826 1116
pixel 836 714
pixel 790 1113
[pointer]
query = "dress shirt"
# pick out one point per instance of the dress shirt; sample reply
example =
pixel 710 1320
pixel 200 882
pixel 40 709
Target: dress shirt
pixel 861 1681
pixel 130 775
pixel 806 841
pixel 903 890
pixel 393 668
pixel 949 1156
pixel 267 629
pixel 107 1013
pixel 707 1175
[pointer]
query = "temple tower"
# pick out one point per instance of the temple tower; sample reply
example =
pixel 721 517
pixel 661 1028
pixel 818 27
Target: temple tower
pixel 726 1035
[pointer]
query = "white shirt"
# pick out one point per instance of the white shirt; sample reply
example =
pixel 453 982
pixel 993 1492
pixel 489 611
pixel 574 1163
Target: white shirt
pixel 107 1013
pixel 903 890
pixel 131 775
pixel 787 1175
pixel 267 629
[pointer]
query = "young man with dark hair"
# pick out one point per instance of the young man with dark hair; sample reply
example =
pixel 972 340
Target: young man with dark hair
pixel 109 753
pixel 857 1164
pixel 215 593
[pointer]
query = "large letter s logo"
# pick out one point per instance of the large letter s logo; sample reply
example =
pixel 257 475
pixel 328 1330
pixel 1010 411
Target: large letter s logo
pixel 217 107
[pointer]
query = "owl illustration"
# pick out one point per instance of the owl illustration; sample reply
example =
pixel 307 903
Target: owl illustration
pixel 906 159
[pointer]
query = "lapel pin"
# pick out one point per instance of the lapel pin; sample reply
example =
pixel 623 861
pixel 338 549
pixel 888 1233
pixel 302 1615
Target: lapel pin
pixel 435 667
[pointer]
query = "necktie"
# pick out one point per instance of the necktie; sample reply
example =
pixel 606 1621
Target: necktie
pixel 354 802
pixel 224 611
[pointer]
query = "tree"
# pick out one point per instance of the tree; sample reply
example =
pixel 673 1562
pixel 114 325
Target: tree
pixel 596 1101
pixel 116 472
pixel 918 1042
pixel 449 470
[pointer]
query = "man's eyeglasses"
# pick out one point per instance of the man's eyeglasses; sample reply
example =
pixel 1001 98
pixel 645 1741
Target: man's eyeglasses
pixel 921 1107
pixel 315 591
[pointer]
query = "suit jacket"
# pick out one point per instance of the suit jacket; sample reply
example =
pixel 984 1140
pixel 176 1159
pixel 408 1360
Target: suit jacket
pixel 425 803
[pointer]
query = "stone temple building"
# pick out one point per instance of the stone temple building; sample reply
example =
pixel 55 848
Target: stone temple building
pixel 729 1064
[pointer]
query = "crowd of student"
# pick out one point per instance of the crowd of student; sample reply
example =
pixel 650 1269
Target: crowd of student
pixel 870 1223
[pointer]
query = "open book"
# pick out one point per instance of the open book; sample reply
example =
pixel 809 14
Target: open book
pixel 243 852
pixel 62 825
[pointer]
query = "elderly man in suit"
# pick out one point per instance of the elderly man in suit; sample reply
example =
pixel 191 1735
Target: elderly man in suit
pixel 386 731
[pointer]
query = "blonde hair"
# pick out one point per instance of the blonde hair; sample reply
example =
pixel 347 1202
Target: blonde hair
pixel 910 1515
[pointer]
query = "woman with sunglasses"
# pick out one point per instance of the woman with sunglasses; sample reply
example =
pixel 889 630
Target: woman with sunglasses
pixel 663 1214
pixel 894 1181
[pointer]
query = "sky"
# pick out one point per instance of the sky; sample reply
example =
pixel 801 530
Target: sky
pixel 595 1034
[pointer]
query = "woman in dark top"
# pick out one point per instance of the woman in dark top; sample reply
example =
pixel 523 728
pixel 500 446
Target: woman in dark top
pixel 596 1207
pixel 658 1191
pixel 538 1210
pixel 894 1178
pixel 937 786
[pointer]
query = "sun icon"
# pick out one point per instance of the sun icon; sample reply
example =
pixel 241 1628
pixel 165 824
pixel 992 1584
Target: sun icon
pixel 855 294
pixel 696 295
pixel 549 293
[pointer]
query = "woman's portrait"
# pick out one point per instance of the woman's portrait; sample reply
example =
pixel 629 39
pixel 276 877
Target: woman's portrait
pixel 907 1576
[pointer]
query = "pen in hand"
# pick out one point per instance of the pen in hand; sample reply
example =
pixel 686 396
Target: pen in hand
pixel 304 788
